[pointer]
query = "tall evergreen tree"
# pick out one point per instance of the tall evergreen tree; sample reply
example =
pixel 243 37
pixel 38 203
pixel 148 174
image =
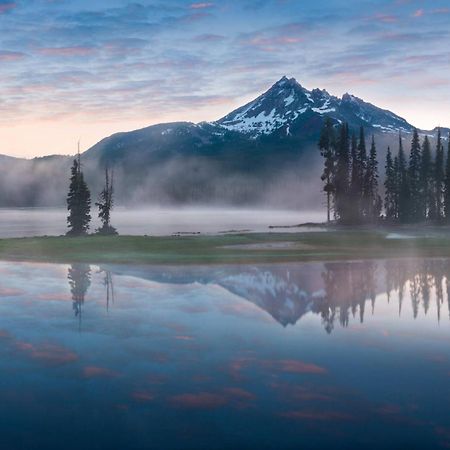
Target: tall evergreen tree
pixel 390 203
pixel 355 186
pixel 341 178
pixel 78 202
pixel 426 181
pixel 370 188
pixel 403 185
pixel 415 197
pixel 439 176
pixel 447 185
pixel 361 170
pixel 327 150
pixel 396 186
pixel 105 204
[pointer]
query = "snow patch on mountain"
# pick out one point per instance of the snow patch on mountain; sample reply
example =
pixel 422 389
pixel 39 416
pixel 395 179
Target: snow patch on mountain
pixel 287 101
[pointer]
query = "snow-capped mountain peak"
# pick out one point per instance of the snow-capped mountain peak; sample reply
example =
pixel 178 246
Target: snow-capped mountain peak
pixel 288 103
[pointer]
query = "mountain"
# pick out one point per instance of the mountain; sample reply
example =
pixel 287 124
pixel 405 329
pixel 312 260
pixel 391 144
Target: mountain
pixel 264 152
pixel 287 106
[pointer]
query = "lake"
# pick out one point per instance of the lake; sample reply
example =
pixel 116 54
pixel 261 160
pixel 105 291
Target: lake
pixel 28 222
pixel 342 355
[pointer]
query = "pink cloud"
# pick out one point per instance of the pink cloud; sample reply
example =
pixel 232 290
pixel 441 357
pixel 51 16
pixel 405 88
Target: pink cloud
pixel 386 18
pixel 8 292
pixel 419 13
pixel 270 44
pixel 6 56
pixel 5 7
pixel 66 51
pixel 203 5
pixel 295 366
pixel 194 17
pixel 203 400
pixel 184 338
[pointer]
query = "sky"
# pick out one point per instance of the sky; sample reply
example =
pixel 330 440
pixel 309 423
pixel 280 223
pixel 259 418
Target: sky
pixel 82 70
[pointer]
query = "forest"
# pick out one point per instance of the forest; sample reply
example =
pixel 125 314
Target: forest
pixel 416 183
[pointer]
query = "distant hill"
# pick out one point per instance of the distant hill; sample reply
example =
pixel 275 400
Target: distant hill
pixel 264 152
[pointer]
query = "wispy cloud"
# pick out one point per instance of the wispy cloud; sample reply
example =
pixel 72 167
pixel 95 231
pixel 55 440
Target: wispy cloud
pixel 140 63
pixel 202 5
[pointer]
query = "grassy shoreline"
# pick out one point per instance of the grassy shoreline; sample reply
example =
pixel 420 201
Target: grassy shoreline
pixel 224 249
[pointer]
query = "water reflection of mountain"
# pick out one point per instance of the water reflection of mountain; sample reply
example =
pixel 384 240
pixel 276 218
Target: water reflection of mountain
pixel 336 291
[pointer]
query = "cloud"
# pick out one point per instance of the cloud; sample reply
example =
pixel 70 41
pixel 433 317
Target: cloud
pixel 66 51
pixel 386 18
pixel 201 400
pixel 441 11
pixel 203 5
pixel 7 56
pixel 131 65
pixel 10 292
pixel 7 7
pixel 209 38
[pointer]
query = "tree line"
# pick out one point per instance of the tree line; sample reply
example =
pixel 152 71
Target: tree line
pixel 416 186
pixel 79 203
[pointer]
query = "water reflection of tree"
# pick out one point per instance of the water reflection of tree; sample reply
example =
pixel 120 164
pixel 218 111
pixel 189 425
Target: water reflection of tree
pixel 349 285
pixel 79 276
pixel 109 285
pixel 425 277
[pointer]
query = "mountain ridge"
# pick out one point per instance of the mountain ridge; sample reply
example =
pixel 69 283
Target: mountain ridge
pixel 263 153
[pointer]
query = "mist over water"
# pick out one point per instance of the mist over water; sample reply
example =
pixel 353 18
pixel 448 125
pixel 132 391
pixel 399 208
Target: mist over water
pixel 27 222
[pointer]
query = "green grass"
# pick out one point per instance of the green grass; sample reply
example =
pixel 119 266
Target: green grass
pixel 221 249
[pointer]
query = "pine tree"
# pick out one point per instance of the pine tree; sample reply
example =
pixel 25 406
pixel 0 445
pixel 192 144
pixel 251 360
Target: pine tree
pixel 439 178
pixel 447 185
pixel 341 179
pixel 361 169
pixel 370 188
pixel 327 150
pixel 403 186
pixel 390 188
pixel 78 202
pixel 415 197
pixel 426 183
pixel 355 186
pixel 396 186
pixel 105 205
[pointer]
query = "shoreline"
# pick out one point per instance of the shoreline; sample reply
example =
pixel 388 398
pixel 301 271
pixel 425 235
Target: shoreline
pixel 242 248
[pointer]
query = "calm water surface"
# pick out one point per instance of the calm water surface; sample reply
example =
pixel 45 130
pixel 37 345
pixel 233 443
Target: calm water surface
pixel 27 222
pixel 338 355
